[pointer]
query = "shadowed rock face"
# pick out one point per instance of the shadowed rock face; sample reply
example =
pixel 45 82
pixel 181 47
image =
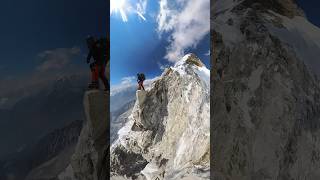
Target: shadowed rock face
pixel 89 161
pixel 266 108
pixel 126 162
pixel 285 7
pixel 167 135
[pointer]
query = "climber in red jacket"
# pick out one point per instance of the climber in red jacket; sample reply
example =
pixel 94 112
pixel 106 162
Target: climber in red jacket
pixel 99 51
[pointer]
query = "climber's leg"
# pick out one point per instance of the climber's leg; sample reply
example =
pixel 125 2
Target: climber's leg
pixel 94 76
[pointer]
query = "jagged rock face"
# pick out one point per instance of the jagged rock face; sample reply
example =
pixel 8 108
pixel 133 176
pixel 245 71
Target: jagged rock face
pixel 126 162
pixel 89 162
pixel 169 130
pixel 265 103
pixel 284 7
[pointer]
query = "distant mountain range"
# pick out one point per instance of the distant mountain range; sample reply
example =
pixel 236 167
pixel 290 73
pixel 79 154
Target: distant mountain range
pixel 53 106
pixel 60 142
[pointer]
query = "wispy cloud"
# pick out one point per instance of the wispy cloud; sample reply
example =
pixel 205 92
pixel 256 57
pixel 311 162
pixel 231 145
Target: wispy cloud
pixel 187 22
pixel 53 64
pixel 208 53
pixel 128 80
pixel 128 7
pixel 163 66
pixel 56 58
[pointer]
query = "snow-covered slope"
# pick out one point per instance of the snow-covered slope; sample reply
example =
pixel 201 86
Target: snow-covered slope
pixel 265 96
pixel 167 135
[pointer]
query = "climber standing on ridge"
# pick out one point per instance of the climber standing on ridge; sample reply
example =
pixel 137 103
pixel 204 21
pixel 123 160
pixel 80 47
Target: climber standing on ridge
pixel 141 78
pixel 99 51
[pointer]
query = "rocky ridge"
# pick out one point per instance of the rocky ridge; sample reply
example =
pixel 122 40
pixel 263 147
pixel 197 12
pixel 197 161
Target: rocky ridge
pixel 167 135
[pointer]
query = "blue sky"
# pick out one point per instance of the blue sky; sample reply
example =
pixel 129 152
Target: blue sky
pixel 141 40
pixel 311 9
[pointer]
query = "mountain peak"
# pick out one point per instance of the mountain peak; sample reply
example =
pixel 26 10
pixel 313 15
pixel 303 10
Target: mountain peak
pixel 287 8
pixel 190 64
pixel 190 59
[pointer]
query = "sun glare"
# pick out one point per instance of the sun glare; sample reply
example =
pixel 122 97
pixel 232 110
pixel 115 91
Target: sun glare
pixel 118 6
pixel 128 7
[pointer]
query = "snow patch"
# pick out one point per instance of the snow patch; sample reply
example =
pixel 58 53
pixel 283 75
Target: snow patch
pixel 180 66
pixel 204 75
pixel 202 72
pixel 187 92
pixel 150 171
pixel 123 132
pixel 231 34
pixel 245 109
pixel 255 78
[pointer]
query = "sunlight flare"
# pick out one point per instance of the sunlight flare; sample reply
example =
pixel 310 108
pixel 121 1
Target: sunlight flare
pixel 126 7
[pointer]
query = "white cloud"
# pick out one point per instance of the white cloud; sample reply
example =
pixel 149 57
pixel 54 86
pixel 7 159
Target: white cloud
pixel 208 53
pixel 187 21
pixel 127 7
pixel 56 58
pixel 127 80
pixel 125 84
pixel 163 66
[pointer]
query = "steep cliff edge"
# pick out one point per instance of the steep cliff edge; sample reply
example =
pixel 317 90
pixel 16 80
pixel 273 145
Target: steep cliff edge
pixel 89 162
pixel 167 135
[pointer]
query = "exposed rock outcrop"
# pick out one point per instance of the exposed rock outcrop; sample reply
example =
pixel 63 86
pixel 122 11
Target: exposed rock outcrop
pixel 89 161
